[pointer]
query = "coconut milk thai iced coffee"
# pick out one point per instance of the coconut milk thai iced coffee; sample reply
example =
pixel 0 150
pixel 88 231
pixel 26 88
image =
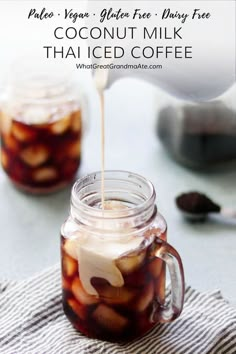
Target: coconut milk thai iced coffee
pixel 114 255
pixel 113 259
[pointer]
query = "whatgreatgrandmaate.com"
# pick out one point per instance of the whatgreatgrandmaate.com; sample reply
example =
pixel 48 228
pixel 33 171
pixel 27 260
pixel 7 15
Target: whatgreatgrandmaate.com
pixel 112 66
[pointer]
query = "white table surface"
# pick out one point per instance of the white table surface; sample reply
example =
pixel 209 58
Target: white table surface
pixel 30 225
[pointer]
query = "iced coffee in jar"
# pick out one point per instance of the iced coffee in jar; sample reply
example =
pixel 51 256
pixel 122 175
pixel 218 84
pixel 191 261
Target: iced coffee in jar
pixel 114 259
pixel 40 131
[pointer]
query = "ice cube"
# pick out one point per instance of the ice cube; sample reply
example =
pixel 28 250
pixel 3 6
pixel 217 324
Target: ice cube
pixel 44 174
pixel 70 247
pixel 23 132
pixel 4 159
pixel 5 122
pixel 109 318
pixel 115 295
pixel 76 121
pixel 66 284
pixel 145 298
pixel 81 295
pixel 69 266
pixel 138 278
pixel 130 263
pixel 60 126
pixel 10 142
pixel 35 155
pixel 73 149
pixel 78 309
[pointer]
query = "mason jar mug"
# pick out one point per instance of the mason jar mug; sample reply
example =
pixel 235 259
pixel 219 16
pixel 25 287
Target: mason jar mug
pixel 41 125
pixel 114 259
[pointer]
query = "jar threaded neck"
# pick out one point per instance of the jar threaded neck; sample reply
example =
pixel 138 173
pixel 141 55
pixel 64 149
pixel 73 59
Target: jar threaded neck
pixel 135 192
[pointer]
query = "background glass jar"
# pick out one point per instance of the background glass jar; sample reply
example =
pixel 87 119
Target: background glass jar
pixel 113 260
pixel 41 125
pixel 200 135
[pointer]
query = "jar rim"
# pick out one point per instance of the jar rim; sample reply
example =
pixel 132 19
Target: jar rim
pixel 36 81
pixel 146 205
pixel 39 88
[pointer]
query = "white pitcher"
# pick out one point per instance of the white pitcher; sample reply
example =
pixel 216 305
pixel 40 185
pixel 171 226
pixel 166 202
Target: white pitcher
pixel 209 73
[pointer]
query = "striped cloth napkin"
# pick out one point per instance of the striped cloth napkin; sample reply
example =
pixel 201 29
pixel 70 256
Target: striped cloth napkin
pixel 32 322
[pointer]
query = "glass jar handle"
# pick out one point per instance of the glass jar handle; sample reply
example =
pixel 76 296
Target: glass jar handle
pixel 171 257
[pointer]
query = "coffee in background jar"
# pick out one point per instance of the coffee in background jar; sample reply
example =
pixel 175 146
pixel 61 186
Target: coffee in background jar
pixel 200 135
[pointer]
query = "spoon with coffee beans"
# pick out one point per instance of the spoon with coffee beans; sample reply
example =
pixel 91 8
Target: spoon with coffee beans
pixel 196 207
